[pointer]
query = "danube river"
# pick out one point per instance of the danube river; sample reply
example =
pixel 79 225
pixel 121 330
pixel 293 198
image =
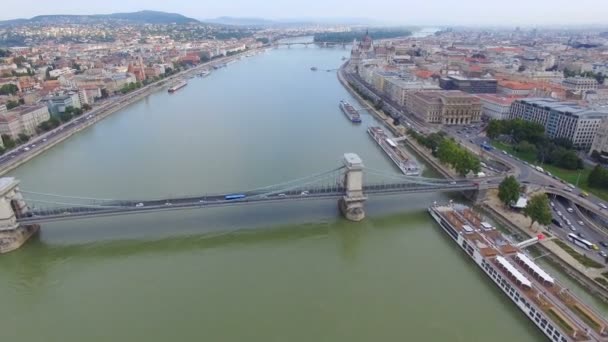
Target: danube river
pixel 283 272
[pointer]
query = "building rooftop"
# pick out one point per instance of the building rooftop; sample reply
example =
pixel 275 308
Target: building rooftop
pixel 464 78
pixel 502 100
pixel 516 85
pixel 571 108
pixel 25 109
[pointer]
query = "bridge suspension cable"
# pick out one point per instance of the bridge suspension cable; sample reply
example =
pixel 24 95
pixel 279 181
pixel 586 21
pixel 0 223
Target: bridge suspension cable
pixel 286 183
pixel 29 200
pixel 410 179
pixel 66 196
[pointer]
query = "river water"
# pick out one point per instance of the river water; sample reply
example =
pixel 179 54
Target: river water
pixel 281 272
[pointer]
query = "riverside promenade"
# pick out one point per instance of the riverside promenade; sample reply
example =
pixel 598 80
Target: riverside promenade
pixel 49 139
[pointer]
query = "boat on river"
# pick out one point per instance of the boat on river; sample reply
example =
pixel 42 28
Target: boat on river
pixel 554 309
pixel 177 86
pixel 405 163
pixel 351 113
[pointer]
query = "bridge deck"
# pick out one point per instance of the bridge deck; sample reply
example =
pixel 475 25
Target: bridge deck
pixel 114 208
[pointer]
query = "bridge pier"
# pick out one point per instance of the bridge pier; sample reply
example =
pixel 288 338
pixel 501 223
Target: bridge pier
pixel 351 204
pixel 12 206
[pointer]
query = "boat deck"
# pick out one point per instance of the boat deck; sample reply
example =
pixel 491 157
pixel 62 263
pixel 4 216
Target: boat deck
pixel 567 311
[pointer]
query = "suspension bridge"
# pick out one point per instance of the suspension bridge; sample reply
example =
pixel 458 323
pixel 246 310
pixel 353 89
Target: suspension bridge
pixel 344 183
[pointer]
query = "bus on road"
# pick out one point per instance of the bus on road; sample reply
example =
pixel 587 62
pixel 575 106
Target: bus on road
pixel 234 197
pixel 582 242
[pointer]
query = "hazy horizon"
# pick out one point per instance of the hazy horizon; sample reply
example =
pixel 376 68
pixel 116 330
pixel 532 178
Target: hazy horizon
pixel 404 12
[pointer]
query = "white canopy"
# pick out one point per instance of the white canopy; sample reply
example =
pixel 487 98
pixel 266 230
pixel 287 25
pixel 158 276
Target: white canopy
pixel 534 267
pixel 513 271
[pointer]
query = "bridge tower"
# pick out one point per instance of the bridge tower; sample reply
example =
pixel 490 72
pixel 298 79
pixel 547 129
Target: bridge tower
pixel 351 204
pixel 13 207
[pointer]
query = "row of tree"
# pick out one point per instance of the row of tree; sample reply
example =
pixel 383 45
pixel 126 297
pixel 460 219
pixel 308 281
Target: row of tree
pixel 449 152
pixel 518 129
pixel 69 114
pixel 537 208
pixel 529 138
pixel 127 88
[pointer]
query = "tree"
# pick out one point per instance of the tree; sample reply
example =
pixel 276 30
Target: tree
pixel 525 147
pixel 86 107
pixel 23 138
pixel 12 104
pixel 8 89
pixel 538 210
pixel 104 93
pixel 494 129
pixel 65 116
pixel 8 141
pixel 598 178
pixel 508 190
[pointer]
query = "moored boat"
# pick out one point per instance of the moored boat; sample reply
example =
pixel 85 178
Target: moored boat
pixel 177 86
pixel 407 165
pixel 351 113
pixel 555 310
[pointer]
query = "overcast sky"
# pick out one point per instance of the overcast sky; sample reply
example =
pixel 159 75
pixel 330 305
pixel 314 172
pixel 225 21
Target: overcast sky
pixel 414 12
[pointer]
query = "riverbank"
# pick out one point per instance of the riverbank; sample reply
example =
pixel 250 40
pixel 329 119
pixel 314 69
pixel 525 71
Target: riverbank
pixel 46 141
pixel 517 223
pixel 570 266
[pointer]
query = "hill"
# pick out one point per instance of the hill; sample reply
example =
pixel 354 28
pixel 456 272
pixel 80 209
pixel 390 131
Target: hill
pixel 141 17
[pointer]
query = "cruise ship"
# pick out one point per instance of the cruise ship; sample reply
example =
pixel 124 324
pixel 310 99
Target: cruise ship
pixel 408 166
pixel 177 86
pixel 555 310
pixel 350 112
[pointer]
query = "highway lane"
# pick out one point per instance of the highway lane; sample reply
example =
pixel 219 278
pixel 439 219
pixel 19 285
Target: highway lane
pixel 576 226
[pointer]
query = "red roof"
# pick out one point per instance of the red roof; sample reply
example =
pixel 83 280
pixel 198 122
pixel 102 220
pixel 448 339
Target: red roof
pixel 516 85
pixel 424 73
pixel 501 100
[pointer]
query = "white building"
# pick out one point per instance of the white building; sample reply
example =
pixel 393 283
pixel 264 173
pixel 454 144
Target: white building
pixel 31 116
pixel 399 90
pixel 561 119
pixel 580 83
pixel 600 142
pixel 495 107
pixel 62 71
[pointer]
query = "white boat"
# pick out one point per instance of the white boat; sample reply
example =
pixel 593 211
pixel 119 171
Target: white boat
pixel 555 310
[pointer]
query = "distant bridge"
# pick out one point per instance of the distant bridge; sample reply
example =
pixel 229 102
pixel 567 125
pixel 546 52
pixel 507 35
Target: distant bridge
pixel 344 183
pixel 289 44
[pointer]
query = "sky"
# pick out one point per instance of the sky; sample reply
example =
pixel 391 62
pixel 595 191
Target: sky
pixel 403 12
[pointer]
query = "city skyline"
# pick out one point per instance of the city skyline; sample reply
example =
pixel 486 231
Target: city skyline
pixel 519 12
